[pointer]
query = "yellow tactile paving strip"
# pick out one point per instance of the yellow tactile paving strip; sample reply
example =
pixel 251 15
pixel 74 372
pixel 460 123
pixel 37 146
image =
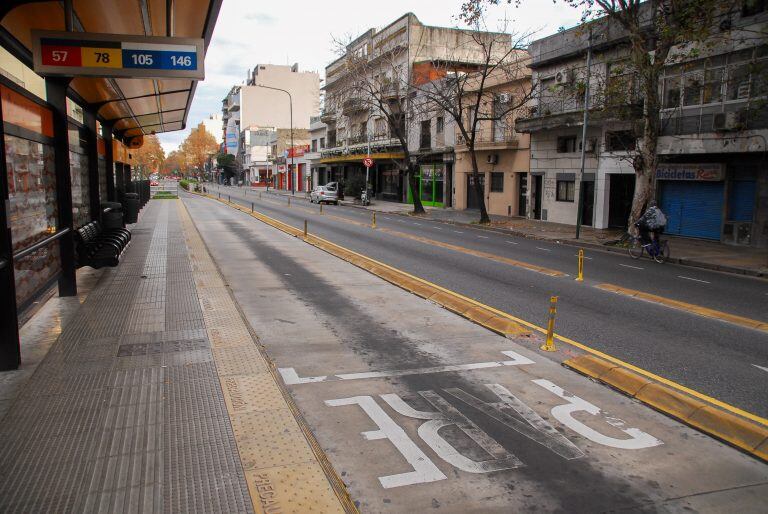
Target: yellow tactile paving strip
pixel 284 467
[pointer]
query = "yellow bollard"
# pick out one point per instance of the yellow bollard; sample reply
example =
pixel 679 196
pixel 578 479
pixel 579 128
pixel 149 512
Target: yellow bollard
pixel 373 222
pixel 549 345
pixel 580 277
pixel 305 229
pixel 321 208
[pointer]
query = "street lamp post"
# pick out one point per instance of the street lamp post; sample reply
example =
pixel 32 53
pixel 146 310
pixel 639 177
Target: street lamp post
pixel 290 106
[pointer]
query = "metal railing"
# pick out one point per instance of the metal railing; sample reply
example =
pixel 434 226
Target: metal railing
pixel 40 244
pixel 488 135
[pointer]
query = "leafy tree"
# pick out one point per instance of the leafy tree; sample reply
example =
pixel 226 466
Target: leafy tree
pixel 174 164
pixel 150 157
pixel 197 147
pixel 660 33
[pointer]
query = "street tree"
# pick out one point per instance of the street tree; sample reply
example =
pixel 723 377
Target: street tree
pixel 174 163
pixel 378 86
pixel 198 147
pixel 150 157
pixel 659 33
pixel 466 86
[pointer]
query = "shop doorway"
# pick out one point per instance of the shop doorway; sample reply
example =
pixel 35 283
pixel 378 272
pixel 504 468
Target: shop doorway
pixel 588 209
pixel 537 196
pixel 622 190
pixel 522 194
pixel 473 200
pixel 430 180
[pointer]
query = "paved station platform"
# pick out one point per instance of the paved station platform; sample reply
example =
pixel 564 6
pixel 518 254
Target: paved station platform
pixel 156 397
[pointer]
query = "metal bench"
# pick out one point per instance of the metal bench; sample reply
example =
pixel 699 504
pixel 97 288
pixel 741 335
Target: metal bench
pixel 97 247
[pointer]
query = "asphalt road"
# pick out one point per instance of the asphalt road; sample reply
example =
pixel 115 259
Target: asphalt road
pixel 711 356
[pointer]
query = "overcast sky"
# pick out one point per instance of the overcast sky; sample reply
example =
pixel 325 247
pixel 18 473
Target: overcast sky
pixel 284 32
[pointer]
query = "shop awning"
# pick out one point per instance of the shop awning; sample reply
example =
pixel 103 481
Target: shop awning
pixel 135 105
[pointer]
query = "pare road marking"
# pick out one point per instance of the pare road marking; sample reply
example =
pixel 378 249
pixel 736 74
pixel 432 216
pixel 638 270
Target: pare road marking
pixel 291 377
pixel 509 410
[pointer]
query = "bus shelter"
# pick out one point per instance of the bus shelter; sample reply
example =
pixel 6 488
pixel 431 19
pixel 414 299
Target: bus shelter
pixel 67 140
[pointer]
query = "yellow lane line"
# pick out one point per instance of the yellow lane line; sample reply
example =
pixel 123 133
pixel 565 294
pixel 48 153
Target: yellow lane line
pixel 566 340
pixel 687 307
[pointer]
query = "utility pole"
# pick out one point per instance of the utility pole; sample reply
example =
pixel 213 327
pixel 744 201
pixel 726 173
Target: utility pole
pixel 580 204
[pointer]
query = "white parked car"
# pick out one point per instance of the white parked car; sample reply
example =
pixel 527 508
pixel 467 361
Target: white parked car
pixel 324 194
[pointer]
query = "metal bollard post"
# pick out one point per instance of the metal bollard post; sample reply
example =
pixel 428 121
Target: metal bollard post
pixel 289 201
pixel 580 277
pixel 219 195
pixel 549 345
pixel 229 199
pixel 305 229
pixel 373 222
pixel 321 208
pixel 251 206
pixel 259 196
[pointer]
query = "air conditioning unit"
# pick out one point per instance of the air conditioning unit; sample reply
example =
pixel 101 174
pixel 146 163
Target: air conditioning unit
pixel 493 158
pixel 723 121
pixel 504 98
pixel 564 76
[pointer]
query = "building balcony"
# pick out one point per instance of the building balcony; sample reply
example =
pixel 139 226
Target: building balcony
pixel 353 106
pixel 490 139
pixel 328 115
pixel 390 91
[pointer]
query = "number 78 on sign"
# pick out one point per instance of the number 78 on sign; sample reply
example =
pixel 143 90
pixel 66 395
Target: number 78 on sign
pixel 89 56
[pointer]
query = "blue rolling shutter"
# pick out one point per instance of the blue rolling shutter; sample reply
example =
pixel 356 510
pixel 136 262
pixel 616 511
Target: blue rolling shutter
pixel 741 201
pixel 693 209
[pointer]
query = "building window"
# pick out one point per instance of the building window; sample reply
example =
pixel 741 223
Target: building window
pixel 566 144
pixel 314 145
pixel 322 143
pixel 565 190
pixel 439 125
pixel 426 134
pixel 620 141
pixel 497 182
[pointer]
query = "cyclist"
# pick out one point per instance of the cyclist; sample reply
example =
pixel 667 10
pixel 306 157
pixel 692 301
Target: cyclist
pixel 651 224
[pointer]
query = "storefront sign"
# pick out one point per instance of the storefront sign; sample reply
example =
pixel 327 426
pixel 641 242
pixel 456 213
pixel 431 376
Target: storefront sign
pixel 711 172
pixel 79 54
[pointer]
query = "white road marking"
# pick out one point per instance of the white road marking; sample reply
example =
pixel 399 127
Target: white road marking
pixel 437 228
pixel 458 231
pixel 693 279
pixel 564 414
pixel 760 367
pixel 419 224
pixel 513 243
pixel 628 266
pixel 424 470
pixel 543 249
pixel 483 237
pixel 587 258
pixel 292 378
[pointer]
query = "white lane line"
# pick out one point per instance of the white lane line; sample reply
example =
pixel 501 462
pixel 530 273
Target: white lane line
pixel 437 228
pixel 458 232
pixel 543 249
pixel 292 378
pixel 513 243
pixel 628 266
pixel 483 237
pixel 760 367
pixel 694 279
pixel 588 258
pixel 419 224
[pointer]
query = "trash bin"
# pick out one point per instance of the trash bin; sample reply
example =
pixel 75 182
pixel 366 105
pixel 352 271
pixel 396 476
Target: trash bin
pixel 112 215
pixel 131 201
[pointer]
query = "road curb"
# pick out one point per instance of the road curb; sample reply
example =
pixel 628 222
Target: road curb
pixel 464 307
pixel 731 429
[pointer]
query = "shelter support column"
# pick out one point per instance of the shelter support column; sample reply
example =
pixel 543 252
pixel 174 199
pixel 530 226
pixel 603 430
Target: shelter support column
pixel 56 91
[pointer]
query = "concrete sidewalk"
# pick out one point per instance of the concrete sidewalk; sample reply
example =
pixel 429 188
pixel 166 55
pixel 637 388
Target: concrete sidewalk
pixel 690 252
pixel 156 397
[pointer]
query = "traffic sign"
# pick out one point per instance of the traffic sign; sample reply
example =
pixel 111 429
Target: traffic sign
pixel 82 54
pixel 367 162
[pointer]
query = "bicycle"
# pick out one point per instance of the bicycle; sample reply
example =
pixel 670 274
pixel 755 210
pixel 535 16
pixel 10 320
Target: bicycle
pixel 657 249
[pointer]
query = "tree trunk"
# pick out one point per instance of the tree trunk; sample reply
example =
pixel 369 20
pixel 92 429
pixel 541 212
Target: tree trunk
pixel 418 207
pixel 479 189
pixel 646 158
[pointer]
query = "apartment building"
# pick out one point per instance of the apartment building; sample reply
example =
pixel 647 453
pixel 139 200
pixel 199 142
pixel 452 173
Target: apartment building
pixel 712 180
pixel 274 96
pixel 317 169
pixel 394 56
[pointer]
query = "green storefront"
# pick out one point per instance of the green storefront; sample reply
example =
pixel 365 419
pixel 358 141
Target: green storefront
pixel 430 179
